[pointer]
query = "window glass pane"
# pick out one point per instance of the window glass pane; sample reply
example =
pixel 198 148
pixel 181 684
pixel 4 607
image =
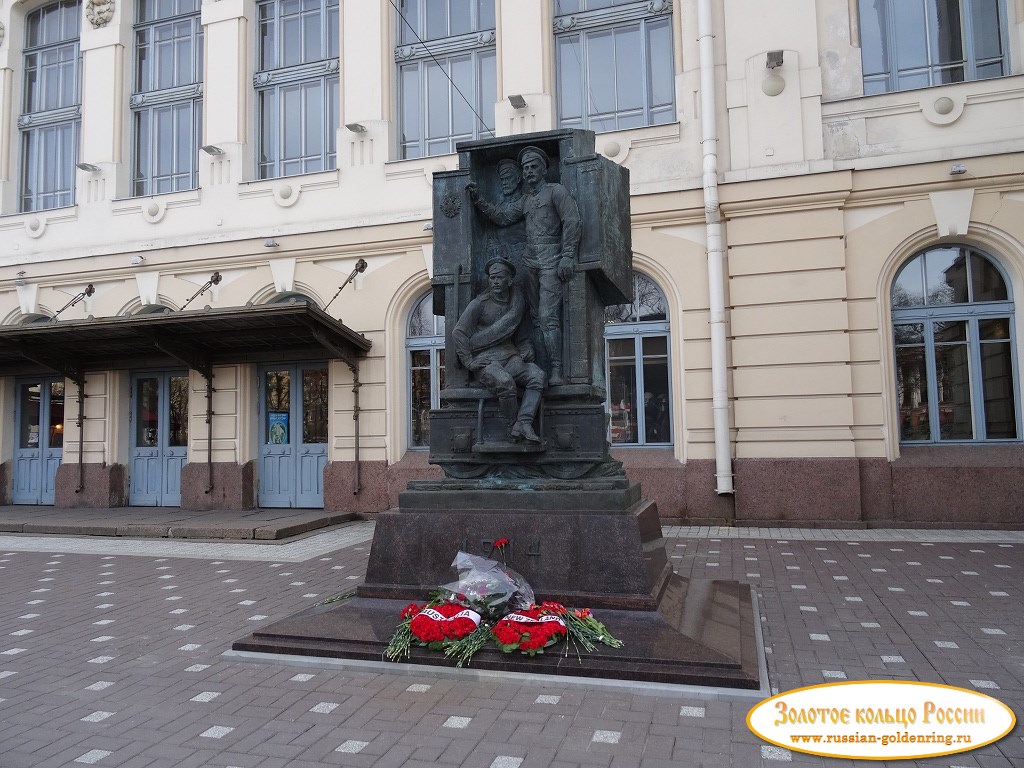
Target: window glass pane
pixel 649 299
pixel 946 273
pixel 313 135
pixel 408 21
pixel 912 394
pixel 908 288
pixel 409 84
pixel 463 119
pixel 178 427
pixel 622 390
pixel 277 406
pixel 629 70
pixel 944 30
pixel 314 405
pixel 488 89
pixel 291 37
pixel 485 8
pixel 654 346
pixel 660 67
pixel 996 329
pixel 268 132
pixel 56 414
pixel 953 382
pixel 950 75
pixel 909 333
pixel 570 78
pixel 997 384
pixel 988 41
pixel 420 398
pixel 421 322
pixel 185 150
pixel 147 412
pixel 986 282
pixel 268 37
pixel 437 19
pixel 872 37
pixel 28 430
pixel 437 102
pixel 164 121
pixel 601 71
pixel 567 6
pixel 656 383
pixel 291 105
pixel 461 15
pixel 332 31
pixel 909 19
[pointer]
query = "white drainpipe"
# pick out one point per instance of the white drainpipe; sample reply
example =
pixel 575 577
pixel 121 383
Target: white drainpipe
pixel 716 276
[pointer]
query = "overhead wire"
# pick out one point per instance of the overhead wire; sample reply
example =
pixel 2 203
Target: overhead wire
pixel 444 71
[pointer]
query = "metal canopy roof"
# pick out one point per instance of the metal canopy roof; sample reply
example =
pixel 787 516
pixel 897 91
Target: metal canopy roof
pixel 199 339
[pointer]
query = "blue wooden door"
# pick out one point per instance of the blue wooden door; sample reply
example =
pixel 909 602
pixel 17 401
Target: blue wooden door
pixel 39 440
pixel 159 446
pixel 293 435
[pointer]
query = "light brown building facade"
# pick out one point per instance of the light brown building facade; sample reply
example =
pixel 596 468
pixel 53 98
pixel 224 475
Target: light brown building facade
pixel 869 172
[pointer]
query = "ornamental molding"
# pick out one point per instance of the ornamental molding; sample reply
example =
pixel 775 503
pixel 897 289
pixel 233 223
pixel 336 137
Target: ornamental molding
pixel 451 205
pixel 99 12
pixel 564 23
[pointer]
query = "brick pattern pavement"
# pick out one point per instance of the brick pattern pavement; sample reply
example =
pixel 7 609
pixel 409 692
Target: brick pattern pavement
pixel 112 656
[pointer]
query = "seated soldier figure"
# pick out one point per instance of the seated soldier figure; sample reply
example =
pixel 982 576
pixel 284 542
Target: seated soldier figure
pixel 493 342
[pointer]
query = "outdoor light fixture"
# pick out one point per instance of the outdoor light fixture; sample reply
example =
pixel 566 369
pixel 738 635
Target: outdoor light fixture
pixel 136 260
pixel 360 267
pixel 356 127
pixel 212 149
pixel 774 60
pixel 88 167
pixel 20 279
pixel 517 101
pixel 215 279
pixel 958 169
pixel 271 243
pixel 89 291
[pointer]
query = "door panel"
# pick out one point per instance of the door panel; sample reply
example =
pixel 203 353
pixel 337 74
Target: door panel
pixel 293 425
pixel 159 448
pixel 39 440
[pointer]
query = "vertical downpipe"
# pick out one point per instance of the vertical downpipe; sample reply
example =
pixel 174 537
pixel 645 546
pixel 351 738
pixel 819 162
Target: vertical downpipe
pixel 80 381
pixel 209 430
pixel 716 275
pixel 355 418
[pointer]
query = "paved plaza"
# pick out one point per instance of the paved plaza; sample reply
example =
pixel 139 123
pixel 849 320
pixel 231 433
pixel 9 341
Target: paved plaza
pixel 112 653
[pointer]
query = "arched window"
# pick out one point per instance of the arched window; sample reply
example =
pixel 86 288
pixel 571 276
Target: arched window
pixel 955 361
pixel 425 344
pixel 639 383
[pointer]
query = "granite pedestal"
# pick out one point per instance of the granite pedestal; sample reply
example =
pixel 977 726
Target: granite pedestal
pixel 599 547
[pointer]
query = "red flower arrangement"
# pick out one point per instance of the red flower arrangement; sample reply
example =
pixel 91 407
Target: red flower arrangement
pixel 529 631
pixel 492 603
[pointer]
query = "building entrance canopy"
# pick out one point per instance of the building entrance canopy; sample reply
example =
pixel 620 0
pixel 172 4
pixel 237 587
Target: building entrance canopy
pixel 199 339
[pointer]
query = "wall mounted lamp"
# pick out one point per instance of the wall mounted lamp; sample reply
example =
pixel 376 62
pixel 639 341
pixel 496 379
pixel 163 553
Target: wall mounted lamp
pixel 356 127
pixel 20 279
pixel 773 60
pixel 271 243
pixel 958 169
pixel 88 167
pixel 136 260
pixel 517 101
pixel 212 149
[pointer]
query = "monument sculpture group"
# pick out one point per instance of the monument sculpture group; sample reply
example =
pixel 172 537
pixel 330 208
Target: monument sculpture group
pixel 531 243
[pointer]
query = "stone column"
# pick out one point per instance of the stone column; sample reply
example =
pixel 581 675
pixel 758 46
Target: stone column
pixel 227 90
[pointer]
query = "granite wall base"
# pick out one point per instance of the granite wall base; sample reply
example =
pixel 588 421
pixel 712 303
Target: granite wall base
pixel 234 486
pixel 104 486
pixel 6 478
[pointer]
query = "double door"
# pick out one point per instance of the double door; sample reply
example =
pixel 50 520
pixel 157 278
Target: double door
pixel 159 442
pixel 39 441
pixel 293 434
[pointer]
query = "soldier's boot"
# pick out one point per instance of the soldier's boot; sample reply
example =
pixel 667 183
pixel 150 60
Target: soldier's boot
pixel 553 345
pixel 509 407
pixel 523 428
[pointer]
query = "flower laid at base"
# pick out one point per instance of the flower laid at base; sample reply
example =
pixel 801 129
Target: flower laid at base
pixel 491 603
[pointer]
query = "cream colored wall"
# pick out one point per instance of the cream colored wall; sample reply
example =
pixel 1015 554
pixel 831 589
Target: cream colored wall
pixel 824 192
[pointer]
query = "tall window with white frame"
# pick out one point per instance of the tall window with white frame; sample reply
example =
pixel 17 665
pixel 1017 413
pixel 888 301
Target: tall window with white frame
pixel 956 357
pixel 639 382
pixel 296 87
pixel 425 352
pixel 909 44
pixel 614 62
pixel 447 76
pixel 51 107
pixel 167 100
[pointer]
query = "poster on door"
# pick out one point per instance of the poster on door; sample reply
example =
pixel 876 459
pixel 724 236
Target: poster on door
pixel 277 428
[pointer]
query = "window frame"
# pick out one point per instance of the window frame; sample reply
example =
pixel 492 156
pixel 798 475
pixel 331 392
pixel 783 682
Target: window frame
pixel 419 55
pixel 588 22
pixel 435 345
pixel 34 125
pixel 154 100
pixel 639 330
pixel 971 313
pixel 889 39
pixel 274 79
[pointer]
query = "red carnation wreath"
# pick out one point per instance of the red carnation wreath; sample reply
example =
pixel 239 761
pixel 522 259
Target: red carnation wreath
pixel 447 621
pixel 529 631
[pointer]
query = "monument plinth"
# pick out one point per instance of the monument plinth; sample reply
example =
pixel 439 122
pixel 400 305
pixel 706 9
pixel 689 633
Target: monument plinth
pixel 531 243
